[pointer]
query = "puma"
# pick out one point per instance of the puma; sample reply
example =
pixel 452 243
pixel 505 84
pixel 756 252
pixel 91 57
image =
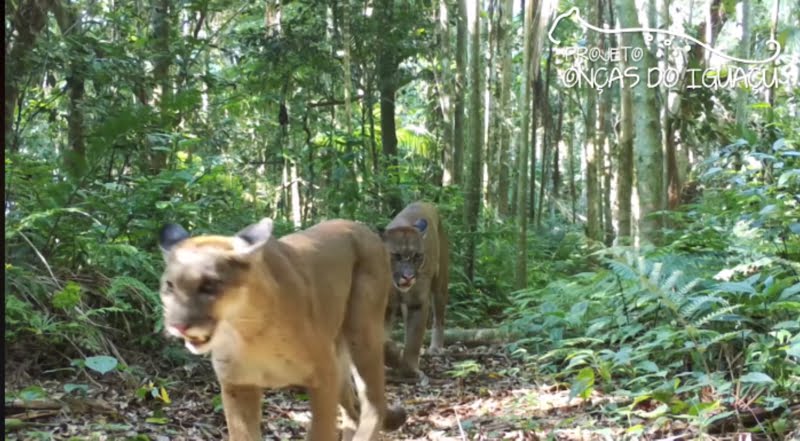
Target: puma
pixel 304 310
pixel 418 248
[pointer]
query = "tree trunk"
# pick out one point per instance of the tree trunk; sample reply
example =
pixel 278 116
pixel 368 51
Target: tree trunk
pixel 472 204
pixel 162 26
pixel 492 136
pixel 648 154
pixel 535 118
pixel 744 52
pixel 445 88
pixel 521 267
pixel 573 194
pixel 625 168
pixel 547 123
pixel 460 94
pixel 503 109
pixel 593 227
pixel 773 28
pixel 556 141
pixel 673 178
pixel 387 86
pixel 606 162
pixel 69 21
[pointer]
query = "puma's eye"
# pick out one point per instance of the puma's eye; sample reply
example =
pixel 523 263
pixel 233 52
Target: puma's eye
pixel 209 287
pixel 417 257
pixel 397 256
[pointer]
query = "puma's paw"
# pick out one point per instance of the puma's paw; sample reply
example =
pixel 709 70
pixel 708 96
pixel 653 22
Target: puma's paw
pixel 407 372
pixel 395 417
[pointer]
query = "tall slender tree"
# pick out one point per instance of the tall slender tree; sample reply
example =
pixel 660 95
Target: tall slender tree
pixel 647 150
pixel 521 267
pixel 472 204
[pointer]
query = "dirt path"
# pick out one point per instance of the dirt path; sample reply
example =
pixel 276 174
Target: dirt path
pixel 476 394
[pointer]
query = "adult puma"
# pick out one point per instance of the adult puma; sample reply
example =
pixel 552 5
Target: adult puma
pixel 418 249
pixel 306 309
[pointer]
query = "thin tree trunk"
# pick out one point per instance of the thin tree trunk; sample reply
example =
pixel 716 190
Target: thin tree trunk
pixel 556 141
pixel 503 109
pixel 773 28
pixel 673 179
pixel 521 268
pixel 460 93
pixel 492 116
pixel 573 194
pixel 473 200
pixel 593 227
pixel 69 21
pixel 625 169
pixel 387 85
pixel 648 154
pixel 536 116
pixel 445 87
pixel 744 52
pixel 162 23
pixel 547 122
pixel 605 148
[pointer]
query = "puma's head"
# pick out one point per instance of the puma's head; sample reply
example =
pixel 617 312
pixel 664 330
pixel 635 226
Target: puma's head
pixel 407 253
pixel 204 278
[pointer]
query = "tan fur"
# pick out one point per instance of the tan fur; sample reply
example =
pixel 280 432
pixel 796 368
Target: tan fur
pixel 427 254
pixel 302 310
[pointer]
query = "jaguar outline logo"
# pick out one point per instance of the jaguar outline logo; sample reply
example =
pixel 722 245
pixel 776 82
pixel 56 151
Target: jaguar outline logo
pixel 755 74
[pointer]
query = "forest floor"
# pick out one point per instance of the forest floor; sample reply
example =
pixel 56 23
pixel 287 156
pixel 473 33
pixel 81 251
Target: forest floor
pixel 491 399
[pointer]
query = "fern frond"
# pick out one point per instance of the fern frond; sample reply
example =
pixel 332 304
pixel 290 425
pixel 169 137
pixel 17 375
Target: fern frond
pixel 671 281
pixel 715 315
pixel 685 289
pixel 622 270
pixel 693 305
pixel 121 284
pixel 726 337
pixel 655 274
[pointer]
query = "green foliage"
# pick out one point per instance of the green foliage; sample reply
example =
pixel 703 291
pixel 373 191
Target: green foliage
pixel 697 326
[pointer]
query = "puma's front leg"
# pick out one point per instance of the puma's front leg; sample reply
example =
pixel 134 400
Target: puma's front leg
pixel 242 406
pixel 416 316
pixel 325 397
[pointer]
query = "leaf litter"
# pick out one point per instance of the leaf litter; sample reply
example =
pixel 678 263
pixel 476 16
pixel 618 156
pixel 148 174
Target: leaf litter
pixel 473 394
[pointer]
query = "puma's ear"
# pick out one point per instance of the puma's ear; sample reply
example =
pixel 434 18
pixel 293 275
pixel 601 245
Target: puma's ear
pixel 254 236
pixel 422 226
pixel 171 235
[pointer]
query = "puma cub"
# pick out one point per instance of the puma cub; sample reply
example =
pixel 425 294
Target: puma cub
pixel 418 249
pixel 306 309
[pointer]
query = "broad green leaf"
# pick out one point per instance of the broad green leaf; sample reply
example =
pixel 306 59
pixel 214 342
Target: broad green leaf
pixel 31 393
pixel 790 291
pixel 757 378
pixel 71 387
pixel 101 363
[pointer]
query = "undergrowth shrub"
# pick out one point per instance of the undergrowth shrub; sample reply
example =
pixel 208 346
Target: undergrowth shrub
pixel 702 326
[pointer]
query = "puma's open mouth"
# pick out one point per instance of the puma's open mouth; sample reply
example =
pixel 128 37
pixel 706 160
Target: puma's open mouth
pixel 197 341
pixel 197 344
pixel 403 287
